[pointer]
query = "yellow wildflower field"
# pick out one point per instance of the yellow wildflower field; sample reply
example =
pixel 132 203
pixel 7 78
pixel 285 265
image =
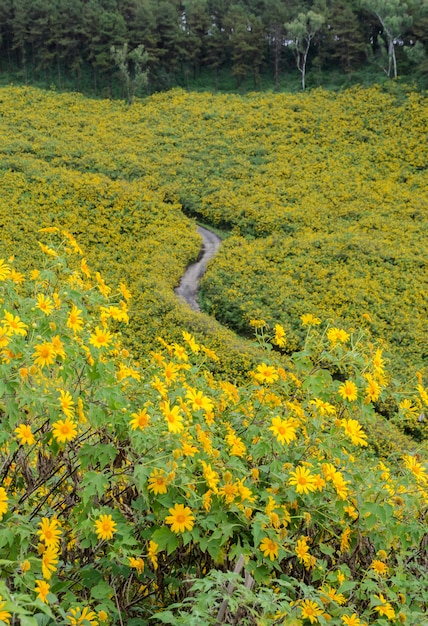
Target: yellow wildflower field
pixel 325 194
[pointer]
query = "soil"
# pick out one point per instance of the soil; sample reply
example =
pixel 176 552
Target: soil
pixel 189 284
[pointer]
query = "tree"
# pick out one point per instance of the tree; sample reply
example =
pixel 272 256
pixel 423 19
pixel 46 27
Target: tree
pixel 394 20
pixel 274 16
pixel 216 50
pixel 301 32
pixel 197 26
pixel 102 29
pixel 344 42
pixel 131 68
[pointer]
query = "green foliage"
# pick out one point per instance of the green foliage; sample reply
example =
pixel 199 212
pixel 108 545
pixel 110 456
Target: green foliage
pixel 130 489
pixel 134 79
pixel 66 44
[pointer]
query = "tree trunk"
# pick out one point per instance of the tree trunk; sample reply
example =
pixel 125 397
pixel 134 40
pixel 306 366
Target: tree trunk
pixel 9 60
pixel 394 59
pixel 58 67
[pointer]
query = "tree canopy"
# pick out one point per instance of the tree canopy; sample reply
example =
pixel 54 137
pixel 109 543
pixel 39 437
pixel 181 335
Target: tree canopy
pixel 71 41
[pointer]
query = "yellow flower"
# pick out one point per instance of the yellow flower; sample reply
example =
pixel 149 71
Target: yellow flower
pixel 17 277
pixel 4 615
pixel 257 323
pixel 137 564
pixel 407 406
pixel 189 339
pixel 417 469
pixel 105 527
pixel 180 518
pixel 64 430
pixel 170 372
pixel 102 616
pixel 56 299
pixel 3 502
pixel 335 335
pixel 152 553
pixel 284 430
pixel 75 321
pixel 269 547
pixel 14 324
pixel 84 267
pixel 309 320
pixel 198 400
pixel 158 482
pixel 324 408
pixel 4 270
pixel 211 476
pixel 206 500
pixel 173 417
pixel 101 338
pixel 310 610
pixel 210 353
pixel 266 373
pixel 332 595
pixel 49 561
pixel 354 431
pixel 67 403
pixel 344 539
pixel 50 531
pixel 42 588
pixel 45 354
pixel 77 617
pixel 34 274
pixel 47 250
pixel 303 480
pixel 44 304
pixel 384 607
pixel 378 362
pixel 379 567
pixel 24 434
pixel 25 566
pixel 302 549
pixel 125 291
pixel 279 338
pixel 159 386
pixel 5 333
pixel 373 389
pixel 141 420
pixel 348 391
pixel 351 620
pixel 104 289
pixel 423 394
pixel 58 346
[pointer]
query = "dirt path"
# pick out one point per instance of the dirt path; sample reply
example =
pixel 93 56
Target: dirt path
pixel 189 283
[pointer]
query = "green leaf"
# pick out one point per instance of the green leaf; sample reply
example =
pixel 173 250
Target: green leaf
pixel 102 591
pixel 106 453
pixel 28 620
pixel 166 617
pixel 166 539
pixel 94 484
pixel 90 577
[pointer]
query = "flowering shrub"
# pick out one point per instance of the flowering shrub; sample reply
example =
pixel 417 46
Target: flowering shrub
pixel 325 191
pixel 123 481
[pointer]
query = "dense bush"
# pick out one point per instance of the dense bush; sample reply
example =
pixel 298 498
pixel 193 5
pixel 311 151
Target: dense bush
pixel 123 482
pixel 328 190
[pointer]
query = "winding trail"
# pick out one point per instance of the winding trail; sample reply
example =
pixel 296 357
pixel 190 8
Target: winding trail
pixel 189 283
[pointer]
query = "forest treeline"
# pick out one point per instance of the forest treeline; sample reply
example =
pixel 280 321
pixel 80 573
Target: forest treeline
pixel 97 45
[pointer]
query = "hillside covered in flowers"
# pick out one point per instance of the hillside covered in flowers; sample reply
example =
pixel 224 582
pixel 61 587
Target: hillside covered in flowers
pixel 148 451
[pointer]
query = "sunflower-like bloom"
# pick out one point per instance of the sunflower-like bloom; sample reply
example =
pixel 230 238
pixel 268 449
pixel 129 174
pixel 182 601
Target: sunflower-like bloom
pixel 180 518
